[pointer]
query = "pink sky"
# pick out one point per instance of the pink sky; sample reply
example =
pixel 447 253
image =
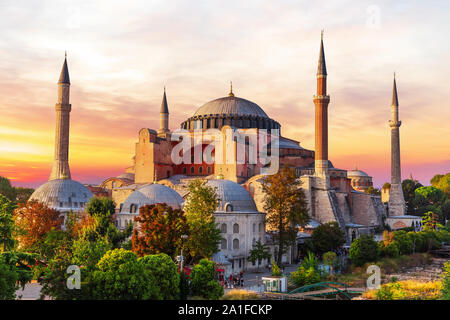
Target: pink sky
pixel 122 54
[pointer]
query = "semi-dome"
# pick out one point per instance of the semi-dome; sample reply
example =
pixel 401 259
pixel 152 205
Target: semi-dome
pixel 62 194
pixel 151 194
pixel 231 105
pixel 233 197
pixel 233 111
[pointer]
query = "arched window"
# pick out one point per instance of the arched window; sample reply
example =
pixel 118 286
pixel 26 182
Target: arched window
pixel 228 207
pixel 254 227
pixel 223 244
pixel 223 228
pixel 184 170
pixel 209 170
pixel 133 208
pixel 236 244
pixel 235 228
pixel 200 170
pixel 192 169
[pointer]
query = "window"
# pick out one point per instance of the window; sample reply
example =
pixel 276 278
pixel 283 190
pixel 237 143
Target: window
pixel 235 228
pixel 260 227
pixel 223 228
pixel 200 170
pixel 133 208
pixel 209 170
pixel 254 227
pixel 120 207
pixel 228 207
pixel 192 170
pixel 223 244
pixel 184 170
pixel 236 244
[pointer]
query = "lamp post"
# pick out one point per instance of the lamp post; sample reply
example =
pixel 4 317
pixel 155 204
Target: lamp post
pixel 183 237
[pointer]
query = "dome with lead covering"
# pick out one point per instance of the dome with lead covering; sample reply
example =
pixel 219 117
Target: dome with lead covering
pixel 231 105
pixel 151 194
pixel 63 194
pixel 233 197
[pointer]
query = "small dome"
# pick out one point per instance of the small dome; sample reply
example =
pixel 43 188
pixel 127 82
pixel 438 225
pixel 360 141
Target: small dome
pixel 62 194
pixel 129 176
pixel 233 197
pixel 151 194
pixel 356 173
pixel 231 105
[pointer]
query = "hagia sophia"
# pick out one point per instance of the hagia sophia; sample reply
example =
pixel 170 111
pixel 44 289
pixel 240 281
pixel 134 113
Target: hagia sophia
pixel 333 194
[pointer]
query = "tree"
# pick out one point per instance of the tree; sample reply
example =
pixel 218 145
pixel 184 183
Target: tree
pixel 408 187
pixel 159 229
pixel 204 236
pixel 259 252
pixel 204 281
pixel 6 189
pixel 327 237
pixel 14 272
pixel 442 182
pixel 286 207
pixel 102 210
pixel 372 190
pixel 446 282
pixel 7 226
pixel 163 273
pixel 23 194
pixel 364 249
pixel 120 276
pixel 35 220
pixel 329 259
pixel 430 221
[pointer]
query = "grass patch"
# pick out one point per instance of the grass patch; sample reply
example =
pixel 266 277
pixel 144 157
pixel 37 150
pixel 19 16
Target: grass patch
pixel 240 294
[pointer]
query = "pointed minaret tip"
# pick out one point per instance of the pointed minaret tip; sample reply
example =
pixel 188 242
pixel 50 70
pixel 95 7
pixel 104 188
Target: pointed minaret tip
pixel 322 68
pixel 64 76
pixel 164 106
pixel 394 93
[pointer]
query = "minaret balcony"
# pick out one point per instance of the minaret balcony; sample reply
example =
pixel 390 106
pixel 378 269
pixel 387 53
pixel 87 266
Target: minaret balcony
pixel 395 124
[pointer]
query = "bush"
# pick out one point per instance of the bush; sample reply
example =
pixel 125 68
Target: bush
pixel 327 237
pixel 403 242
pixel 303 277
pixel 162 271
pixel 239 294
pixel 406 290
pixel 276 272
pixel 365 249
pixel 445 291
pixel 121 276
pixel 204 282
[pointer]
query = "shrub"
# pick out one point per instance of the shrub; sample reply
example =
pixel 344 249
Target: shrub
pixel 162 271
pixel 203 281
pixel 403 242
pixel 365 249
pixel 303 276
pixel 276 272
pixel 239 294
pixel 327 237
pixel 445 291
pixel 390 250
pixel 406 290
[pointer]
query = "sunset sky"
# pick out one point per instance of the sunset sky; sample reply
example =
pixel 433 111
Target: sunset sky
pixel 122 53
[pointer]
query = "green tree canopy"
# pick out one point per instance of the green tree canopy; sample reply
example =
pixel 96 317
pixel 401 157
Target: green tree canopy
pixel 204 281
pixel 286 207
pixel 364 249
pixel 204 236
pixel 7 226
pixel 163 273
pixel 259 252
pixel 327 237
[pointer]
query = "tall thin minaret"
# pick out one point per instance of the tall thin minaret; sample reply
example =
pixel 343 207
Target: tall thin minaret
pixel 60 169
pixel 321 100
pixel 164 117
pixel 397 205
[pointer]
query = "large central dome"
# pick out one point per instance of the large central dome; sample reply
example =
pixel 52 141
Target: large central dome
pixel 232 111
pixel 231 105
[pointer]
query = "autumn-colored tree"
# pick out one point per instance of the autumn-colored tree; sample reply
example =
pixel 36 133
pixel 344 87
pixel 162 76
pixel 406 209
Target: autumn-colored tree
pixel 158 230
pixel 286 207
pixel 7 227
pixel 35 220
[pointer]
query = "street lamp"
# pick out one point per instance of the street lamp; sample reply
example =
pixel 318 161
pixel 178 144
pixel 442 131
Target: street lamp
pixel 183 237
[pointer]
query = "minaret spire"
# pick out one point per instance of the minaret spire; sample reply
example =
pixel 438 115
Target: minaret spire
pixel 164 117
pixel 321 101
pixel 231 94
pixel 60 168
pixel 397 204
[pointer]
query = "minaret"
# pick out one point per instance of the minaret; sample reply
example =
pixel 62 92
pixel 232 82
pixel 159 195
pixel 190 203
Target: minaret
pixel 321 100
pixel 397 205
pixel 60 169
pixel 164 117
